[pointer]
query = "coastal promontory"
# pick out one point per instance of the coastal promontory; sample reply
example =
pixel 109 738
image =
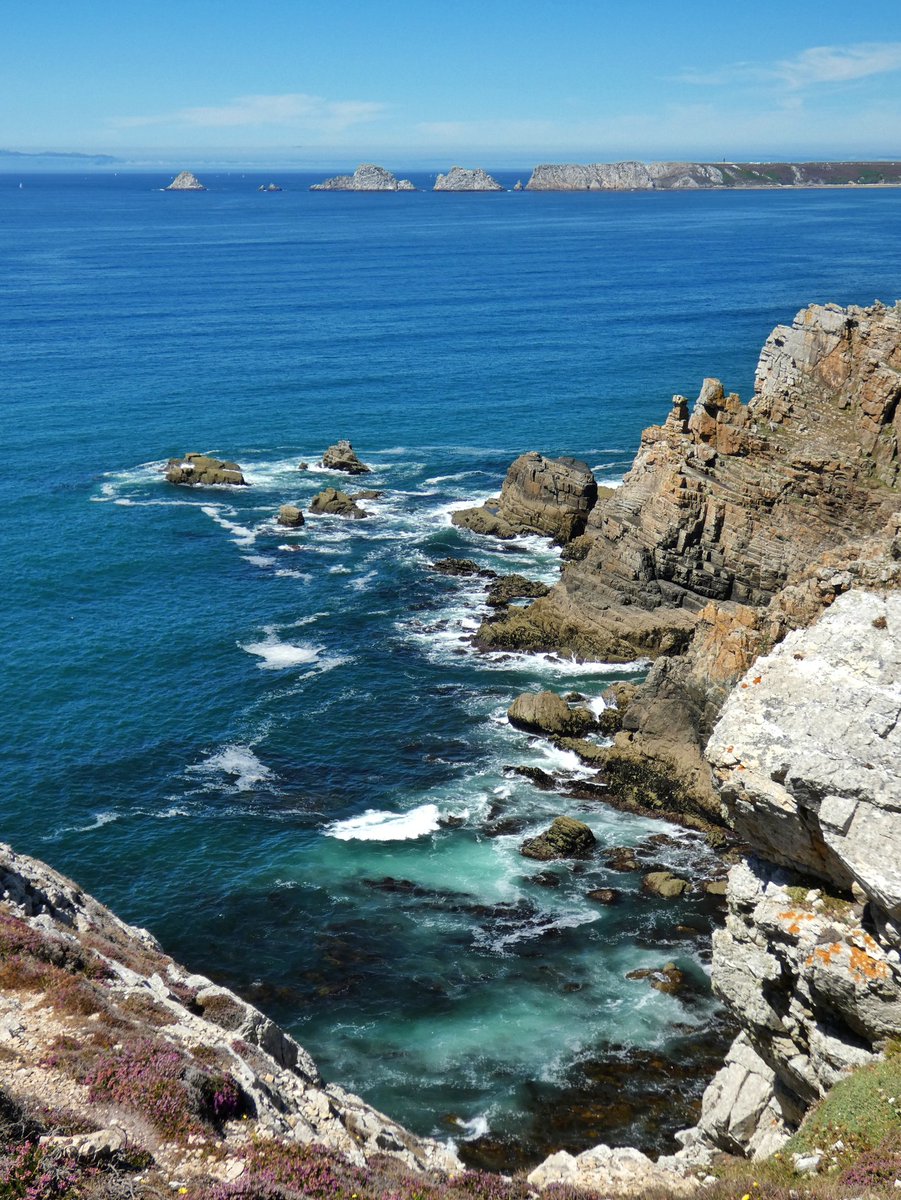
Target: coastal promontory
pixel 669 176
pixel 366 178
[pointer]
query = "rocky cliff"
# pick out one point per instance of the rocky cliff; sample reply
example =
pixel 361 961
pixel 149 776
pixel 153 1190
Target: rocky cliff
pixel 366 178
pixel 806 756
pixel 462 179
pixel 102 1030
pixel 735 524
pixel 185 181
pixel 639 176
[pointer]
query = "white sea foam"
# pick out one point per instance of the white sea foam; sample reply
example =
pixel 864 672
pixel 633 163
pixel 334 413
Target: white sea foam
pixel 239 762
pixel 362 584
pixel 278 655
pixel 242 535
pixel 475 1128
pixel 99 819
pixel 379 826
pixel 285 573
pixel 259 560
pixel 436 479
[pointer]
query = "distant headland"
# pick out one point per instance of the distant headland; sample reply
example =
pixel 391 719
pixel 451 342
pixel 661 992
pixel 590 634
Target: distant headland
pixel 667 176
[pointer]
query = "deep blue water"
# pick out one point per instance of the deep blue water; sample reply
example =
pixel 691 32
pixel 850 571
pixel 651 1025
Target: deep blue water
pixel 197 706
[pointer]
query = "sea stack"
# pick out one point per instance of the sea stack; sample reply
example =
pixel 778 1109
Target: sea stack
pixel 366 178
pixel 185 181
pixel 462 179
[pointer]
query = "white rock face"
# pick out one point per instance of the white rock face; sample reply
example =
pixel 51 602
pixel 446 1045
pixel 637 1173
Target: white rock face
pixel 808 746
pixel 366 178
pixel 461 179
pixel 614 1172
pixel 185 182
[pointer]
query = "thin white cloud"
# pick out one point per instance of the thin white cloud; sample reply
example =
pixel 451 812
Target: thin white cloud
pixel 818 65
pixel 297 109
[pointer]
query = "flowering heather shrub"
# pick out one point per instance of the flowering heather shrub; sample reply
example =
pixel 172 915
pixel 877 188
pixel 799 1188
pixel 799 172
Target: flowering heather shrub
pixel 277 1169
pixel 20 942
pixel 29 1172
pixel 159 1082
pixel 875 1169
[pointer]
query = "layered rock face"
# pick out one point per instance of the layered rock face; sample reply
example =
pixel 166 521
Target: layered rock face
pixel 462 179
pixel 806 756
pixel 366 178
pixel 288 1096
pixel 731 502
pixel 632 176
pixel 550 496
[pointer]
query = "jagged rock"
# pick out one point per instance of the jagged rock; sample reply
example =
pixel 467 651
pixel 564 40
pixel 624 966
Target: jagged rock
pixel 603 895
pixel 483 520
pixel 333 503
pixel 290 516
pixel 566 838
pixel 462 179
pixel 664 884
pixel 548 713
pixel 541 779
pixel 184 181
pixel 610 1172
pixel 366 178
pixel 342 457
pixel 514 587
pixel 622 858
pixel 461 566
pixel 272 187
pixel 369 495
pixel 200 469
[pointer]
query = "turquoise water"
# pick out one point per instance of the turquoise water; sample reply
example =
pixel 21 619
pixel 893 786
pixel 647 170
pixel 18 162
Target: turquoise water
pixel 277 750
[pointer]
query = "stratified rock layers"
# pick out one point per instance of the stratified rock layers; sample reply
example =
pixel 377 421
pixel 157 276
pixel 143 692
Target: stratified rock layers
pixel 366 178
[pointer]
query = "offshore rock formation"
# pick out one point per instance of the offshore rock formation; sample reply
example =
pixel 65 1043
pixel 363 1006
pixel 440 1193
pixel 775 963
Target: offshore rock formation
pixel 366 178
pixel 550 496
pixel 290 516
pixel 185 182
pixel 106 982
pixel 200 469
pixel 461 179
pixel 806 756
pixel 333 503
pixel 343 457
pixel 633 176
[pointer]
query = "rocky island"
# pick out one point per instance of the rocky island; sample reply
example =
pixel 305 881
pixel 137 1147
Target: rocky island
pixel 462 179
pixel 185 181
pixel 366 178
pixel 667 176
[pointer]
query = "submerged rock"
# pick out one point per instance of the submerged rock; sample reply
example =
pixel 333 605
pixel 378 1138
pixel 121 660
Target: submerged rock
pixel 366 178
pixel 667 979
pixel 603 895
pixel 664 884
pixel 484 520
pixel 548 713
pixel 342 457
pixel 462 179
pixel 462 567
pixel 331 502
pixel 185 181
pixel 566 838
pixel 200 469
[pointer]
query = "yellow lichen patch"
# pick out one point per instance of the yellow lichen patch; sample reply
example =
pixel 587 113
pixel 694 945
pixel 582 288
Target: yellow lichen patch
pixel 865 967
pixel 824 954
pixel 795 919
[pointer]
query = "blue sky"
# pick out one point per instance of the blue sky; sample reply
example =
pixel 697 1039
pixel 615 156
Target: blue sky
pixel 497 82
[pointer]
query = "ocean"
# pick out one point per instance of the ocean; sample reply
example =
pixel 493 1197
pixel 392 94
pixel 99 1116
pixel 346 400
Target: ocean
pixel 278 750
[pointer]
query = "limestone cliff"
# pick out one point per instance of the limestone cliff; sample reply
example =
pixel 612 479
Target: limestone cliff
pixel 806 756
pixel 632 176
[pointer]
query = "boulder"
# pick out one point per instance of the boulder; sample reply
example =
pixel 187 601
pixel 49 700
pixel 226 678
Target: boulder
pixel 664 884
pixel 566 838
pixel 483 520
pixel 461 567
pixel 366 178
pixel 184 181
pixel 290 516
pixel 370 495
pixel 201 469
pixel 603 895
pixel 462 179
pixel 333 503
pixel 342 457
pixel 550 496
pixel 514 587
pixel 667 979
pixel 548 713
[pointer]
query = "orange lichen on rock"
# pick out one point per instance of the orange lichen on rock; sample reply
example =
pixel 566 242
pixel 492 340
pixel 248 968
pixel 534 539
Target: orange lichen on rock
pixel 795 919
pixel 865 967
